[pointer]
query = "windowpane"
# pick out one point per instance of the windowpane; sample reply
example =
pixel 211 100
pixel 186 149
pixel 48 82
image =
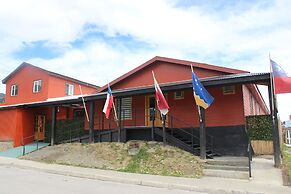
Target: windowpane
pixel 36 86
pixel 126 108
pixel 69 89
pixel 228 90
pixel 179 95
pixel 14 90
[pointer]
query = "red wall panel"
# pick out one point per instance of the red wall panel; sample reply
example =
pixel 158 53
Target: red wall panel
pixel 8 124
pixel 164 73
pixel 24 79
pixel 52 86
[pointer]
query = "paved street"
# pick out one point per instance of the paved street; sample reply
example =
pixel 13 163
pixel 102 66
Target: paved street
pixel 15 180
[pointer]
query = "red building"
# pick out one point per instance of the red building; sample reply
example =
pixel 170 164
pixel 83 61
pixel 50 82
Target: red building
pixel 235 97
pixel 225 118
pixel 30 84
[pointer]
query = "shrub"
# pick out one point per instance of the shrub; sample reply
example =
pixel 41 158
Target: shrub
pixel 259 127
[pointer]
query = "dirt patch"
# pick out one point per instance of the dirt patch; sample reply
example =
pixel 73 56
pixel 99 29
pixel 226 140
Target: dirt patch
pixel 151 158
pixel 5 145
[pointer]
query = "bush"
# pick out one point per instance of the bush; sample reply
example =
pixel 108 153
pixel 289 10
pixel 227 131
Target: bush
pixel 259 127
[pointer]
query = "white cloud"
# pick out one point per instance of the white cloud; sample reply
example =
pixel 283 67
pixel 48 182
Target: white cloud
pixel 240 39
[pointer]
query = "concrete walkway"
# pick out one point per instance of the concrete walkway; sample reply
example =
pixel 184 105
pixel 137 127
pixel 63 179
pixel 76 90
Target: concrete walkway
pixel 266 179
pixel 18 151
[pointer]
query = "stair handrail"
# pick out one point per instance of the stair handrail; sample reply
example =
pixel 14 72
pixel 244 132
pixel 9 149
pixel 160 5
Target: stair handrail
pixel 170 137
pixel 249 151
pixel 23 143
pixel 210 137
pixel 188 124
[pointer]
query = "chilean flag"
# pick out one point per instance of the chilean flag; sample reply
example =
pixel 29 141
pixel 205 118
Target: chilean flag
pixel 108 104
pixel 161 101
pixel 282 83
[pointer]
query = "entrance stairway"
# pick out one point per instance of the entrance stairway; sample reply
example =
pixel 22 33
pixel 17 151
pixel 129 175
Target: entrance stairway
pixel 184 140
pixel 228 167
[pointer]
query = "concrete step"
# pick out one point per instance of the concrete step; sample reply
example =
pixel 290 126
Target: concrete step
pixel 229 161
pixel 227 167
pixel 226 173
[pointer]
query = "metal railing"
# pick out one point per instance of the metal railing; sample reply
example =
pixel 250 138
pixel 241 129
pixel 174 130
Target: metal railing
pixel 250 157
pixel 23 143
pixel 173 120
pixel 69 130
pixel 139 117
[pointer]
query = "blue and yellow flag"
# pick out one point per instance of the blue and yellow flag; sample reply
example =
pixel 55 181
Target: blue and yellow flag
pixel 202 97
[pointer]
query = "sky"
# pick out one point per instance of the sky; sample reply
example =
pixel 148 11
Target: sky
pixel 96 41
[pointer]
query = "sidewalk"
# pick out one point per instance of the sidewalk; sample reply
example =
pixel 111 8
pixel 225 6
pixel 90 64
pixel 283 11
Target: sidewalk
pixel 266 178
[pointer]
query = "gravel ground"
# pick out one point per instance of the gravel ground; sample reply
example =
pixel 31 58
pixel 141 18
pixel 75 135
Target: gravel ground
pixel 151 158
pixel 5 145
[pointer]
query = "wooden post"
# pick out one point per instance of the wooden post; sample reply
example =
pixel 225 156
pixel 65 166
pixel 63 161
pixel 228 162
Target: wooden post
pixel 152 117
pixel 53 127
pixel 153 128
pixel 119 120
pixel 202 133
pixel 275 131
pixel 91 121
pixel 164 129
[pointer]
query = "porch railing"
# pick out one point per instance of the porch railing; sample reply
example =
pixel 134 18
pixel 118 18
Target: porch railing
pixel 174 120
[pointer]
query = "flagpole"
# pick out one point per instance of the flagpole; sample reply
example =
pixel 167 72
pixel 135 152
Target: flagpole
pixel 84 103
pixel 115 115
pixel 202 130
pixel 198 107
pixel 274 113
pixel 162 115
pixel 272 86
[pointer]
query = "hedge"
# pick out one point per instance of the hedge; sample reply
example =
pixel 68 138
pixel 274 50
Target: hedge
pixel 259 127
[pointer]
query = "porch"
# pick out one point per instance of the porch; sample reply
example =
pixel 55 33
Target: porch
pixel 100 129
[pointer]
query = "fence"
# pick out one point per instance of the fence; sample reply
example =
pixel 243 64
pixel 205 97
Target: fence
pixel 68 130
pixel 259 129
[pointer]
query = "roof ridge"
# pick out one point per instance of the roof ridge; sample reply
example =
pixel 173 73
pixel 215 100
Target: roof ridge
pixel 23 64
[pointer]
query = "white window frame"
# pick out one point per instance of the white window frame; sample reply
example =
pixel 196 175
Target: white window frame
pixel 179 97
pixel 14 90
pixel 126 107
pixel 69 89
pixel 288 136
pixel 36 86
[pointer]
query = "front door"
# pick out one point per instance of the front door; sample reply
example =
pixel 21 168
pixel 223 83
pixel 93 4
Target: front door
pixel 150 102
pixel 39 127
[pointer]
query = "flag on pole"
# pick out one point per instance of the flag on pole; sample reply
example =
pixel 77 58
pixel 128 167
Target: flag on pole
pixel 202 97
pixel 161 101
pixel 108 104
pixel 282 82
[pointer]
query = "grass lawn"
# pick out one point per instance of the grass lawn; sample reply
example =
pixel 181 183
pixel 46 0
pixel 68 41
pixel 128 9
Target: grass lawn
pixel 287 160
pixel 151 158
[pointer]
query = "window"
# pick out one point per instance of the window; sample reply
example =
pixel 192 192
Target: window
pixel 36 86
pixel 69 89
pixel 288 137
pixel 14 90
pixel 126 108
pixel 251 105
pixel 228 90
pixel 179 95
